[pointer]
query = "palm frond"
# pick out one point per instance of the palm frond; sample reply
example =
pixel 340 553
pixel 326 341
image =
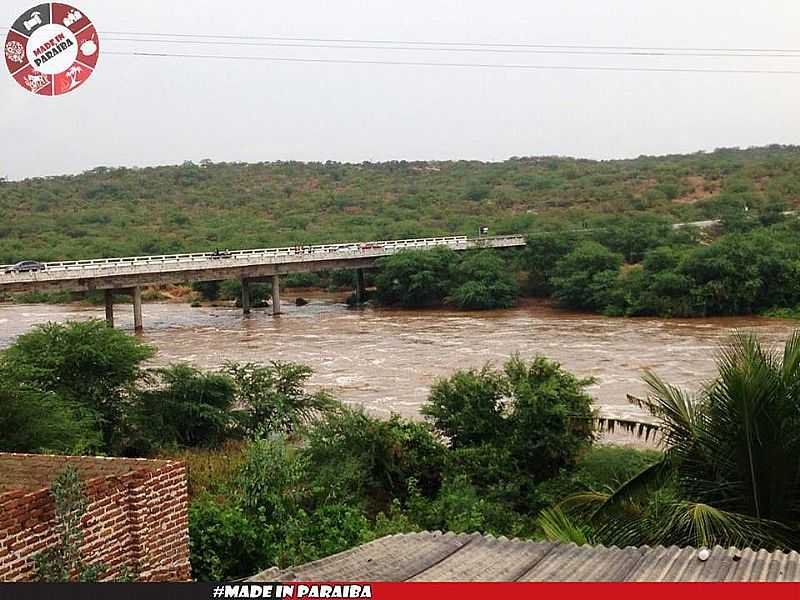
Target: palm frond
pixel 558 527
pixel 636 488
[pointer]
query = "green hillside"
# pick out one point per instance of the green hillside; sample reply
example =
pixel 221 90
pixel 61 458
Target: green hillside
pixel 195 207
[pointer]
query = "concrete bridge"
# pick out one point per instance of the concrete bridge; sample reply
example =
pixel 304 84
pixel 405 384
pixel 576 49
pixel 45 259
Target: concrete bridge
pixel 129 275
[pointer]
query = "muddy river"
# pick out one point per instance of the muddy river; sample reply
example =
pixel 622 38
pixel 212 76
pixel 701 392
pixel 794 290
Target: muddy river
pixel 387 359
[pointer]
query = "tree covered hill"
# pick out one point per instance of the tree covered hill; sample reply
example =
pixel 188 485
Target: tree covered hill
pixel 196 207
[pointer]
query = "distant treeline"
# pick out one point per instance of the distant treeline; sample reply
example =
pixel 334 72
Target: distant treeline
pixel 201 206
pixel 640 267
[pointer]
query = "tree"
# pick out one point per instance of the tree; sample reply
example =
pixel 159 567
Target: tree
pixel 362 459
pixel 273 398
pixel 84 364
pixel 64 561
pixel 633 236
pixel 415 278
pixel 725 276
pixel 542 253
pixel 730 474
pixel 484 282
pixel 533 411
pixel 67 428
pixel 584 276
pixel 185 408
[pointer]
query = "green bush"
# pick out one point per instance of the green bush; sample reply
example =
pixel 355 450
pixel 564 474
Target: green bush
pixel 484 282
pixel 84 364
pixel 302 280
pixel 535 411
pixel 583 277
pixel 415 278
pixel 209 290
pixel 273 398
pixel 361 459
pixel 67 429
pixel 183 407
pixel 224 543
pixel 273 478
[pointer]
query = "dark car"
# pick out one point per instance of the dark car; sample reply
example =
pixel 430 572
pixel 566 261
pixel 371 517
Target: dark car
pixel 25 266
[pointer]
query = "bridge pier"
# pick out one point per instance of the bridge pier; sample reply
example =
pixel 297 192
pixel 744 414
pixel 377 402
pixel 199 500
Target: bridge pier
pixel 361 289
pixel 276 295
pixel 246 296
pixel 109 298
pixel 138 327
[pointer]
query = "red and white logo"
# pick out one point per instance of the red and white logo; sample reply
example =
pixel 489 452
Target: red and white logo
pixel 52 49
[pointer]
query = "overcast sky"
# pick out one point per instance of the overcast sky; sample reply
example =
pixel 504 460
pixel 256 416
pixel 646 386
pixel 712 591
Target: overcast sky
pixel 138 111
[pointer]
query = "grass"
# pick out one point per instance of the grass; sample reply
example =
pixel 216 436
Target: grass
pixel 212 470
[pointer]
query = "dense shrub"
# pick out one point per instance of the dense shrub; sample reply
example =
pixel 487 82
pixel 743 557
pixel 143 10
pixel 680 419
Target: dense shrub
pixel 86 365
pixel 415 278
pixel 184 407
pixel 358 458
pixel 483 281
pixel 534 411
pixel 67 429
pixel 273 398
pixel 583 277
pixel 224 543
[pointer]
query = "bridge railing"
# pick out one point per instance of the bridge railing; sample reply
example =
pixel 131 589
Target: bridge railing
pixel 158 263
pixel 226 254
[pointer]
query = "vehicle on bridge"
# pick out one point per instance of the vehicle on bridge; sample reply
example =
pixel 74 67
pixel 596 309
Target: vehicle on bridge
pixel 25 266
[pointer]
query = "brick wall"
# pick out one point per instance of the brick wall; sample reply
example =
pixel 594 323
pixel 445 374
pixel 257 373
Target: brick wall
pixel 136 516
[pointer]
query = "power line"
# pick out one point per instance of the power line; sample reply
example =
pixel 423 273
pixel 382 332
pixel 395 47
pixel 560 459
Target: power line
pixel 450 64
pixel 337 46
pixel 487 45
pixel 448 43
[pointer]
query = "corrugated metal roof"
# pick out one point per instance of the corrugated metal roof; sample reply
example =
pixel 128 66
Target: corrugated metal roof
pixel 436 556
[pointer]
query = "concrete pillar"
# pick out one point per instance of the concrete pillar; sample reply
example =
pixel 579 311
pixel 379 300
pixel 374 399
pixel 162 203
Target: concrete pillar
pixel 137 310
pixel 276 294
pixel 246 296
pixel 361 290
pixel 109 297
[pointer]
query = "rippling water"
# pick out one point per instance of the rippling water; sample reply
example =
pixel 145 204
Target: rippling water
pixel 387 359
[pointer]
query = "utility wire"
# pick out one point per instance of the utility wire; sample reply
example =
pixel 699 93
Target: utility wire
pixel 441 43
pixel 338 46
pixel 450 64
pixel 448 44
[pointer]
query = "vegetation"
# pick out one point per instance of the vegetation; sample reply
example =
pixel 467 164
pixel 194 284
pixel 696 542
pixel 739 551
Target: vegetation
pixel 64 562
pixel 425 278
pixel 601 235
pixel 198 207
pixel 82 373
pixel 729 473
pixel 90 380
pixel 292 476
pixel 280 475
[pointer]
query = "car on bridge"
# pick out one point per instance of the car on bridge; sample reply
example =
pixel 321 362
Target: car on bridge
pixel 25 266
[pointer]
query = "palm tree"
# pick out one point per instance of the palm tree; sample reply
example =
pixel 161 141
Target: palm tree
pixel 730 472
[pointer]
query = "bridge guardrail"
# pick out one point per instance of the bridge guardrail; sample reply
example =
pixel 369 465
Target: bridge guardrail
pixel 159 263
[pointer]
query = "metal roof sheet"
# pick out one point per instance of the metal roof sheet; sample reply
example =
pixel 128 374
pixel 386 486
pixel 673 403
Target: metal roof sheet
pixel 436 556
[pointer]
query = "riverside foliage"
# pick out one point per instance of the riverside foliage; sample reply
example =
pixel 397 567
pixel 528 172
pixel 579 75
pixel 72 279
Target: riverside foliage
pixel 279 474
pixel 291 475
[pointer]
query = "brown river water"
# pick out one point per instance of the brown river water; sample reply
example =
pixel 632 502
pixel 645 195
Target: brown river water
pixel 387 359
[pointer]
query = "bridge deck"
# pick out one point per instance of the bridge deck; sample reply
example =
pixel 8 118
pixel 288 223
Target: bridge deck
pixel 110 273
